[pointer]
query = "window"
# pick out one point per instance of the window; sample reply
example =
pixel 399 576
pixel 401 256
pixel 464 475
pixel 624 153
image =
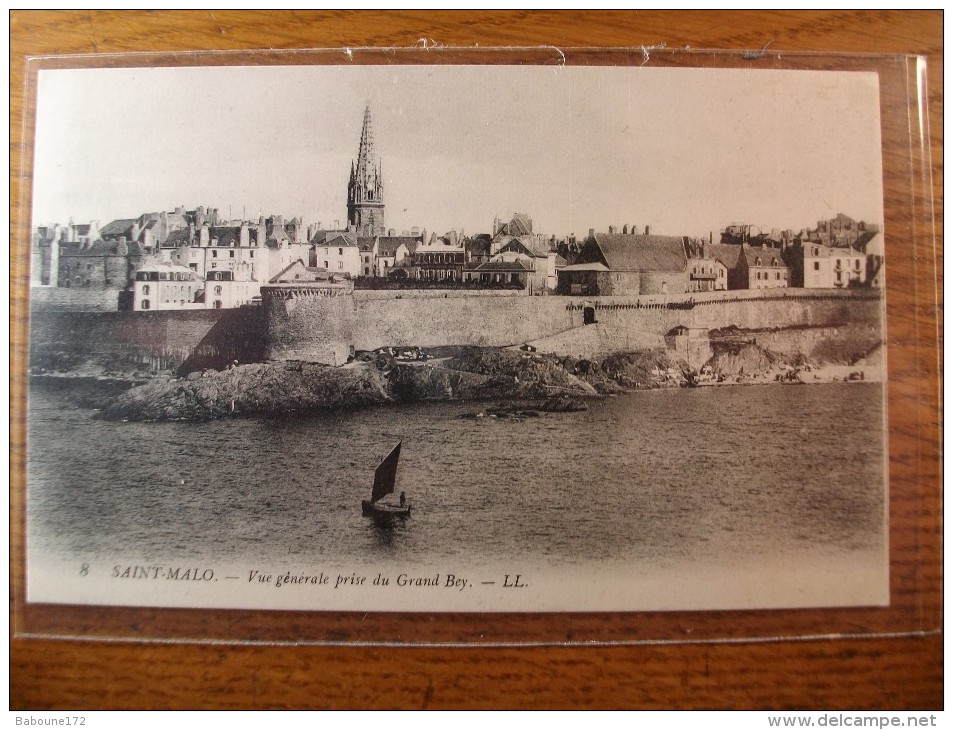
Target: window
pixel 251 254
pixel 231 254
pixel 218 289
pixel 340 252
pixel 145 303
pixel 757 261
pixel 145 290
pixel 340 264
pixel 817 266
pixel 214 254
pixel 325 264
pixel 777 275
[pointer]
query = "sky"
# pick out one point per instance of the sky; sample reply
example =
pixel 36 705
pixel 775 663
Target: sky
pixel 685 151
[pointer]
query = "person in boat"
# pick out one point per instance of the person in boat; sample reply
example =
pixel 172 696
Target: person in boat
pixel 403 499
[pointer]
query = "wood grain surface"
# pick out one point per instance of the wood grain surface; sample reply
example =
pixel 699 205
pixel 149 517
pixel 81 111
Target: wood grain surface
pixel 899 668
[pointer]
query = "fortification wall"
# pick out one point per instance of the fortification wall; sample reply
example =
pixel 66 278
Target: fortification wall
pixel 61 299
pixel 120 342
pixel 325 328
pixel 747 310
pixel 314 327
pixel 459 318
pixel 479 320
pixel 825 344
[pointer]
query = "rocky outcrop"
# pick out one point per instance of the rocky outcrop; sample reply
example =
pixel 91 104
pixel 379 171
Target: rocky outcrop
pixel 266 388
pixel 488 373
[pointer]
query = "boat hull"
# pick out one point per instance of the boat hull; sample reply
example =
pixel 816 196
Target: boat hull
pixel 376 509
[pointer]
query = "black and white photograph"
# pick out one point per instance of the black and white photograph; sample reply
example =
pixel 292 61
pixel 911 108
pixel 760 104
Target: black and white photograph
pixel 457 338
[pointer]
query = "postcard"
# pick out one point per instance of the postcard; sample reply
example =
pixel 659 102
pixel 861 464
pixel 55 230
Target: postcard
pixel 457 338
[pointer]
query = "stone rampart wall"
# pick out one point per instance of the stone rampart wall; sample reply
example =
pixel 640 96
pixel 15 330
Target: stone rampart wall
pixel 62 299
pixel 314 327
pixel 326 328
pixel 147 341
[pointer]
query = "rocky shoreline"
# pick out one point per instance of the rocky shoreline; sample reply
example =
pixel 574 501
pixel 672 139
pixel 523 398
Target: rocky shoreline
pixel 526 383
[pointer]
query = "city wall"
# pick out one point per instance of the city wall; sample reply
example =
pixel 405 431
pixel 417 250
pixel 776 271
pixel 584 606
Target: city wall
pixel 468 320
pixel 97 343
pixel 326 329
pixel 62 299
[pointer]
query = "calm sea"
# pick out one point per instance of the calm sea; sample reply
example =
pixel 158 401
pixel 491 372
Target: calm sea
pixel 657 477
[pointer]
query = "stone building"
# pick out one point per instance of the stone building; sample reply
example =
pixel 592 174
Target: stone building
pixel 539 258
pixel 763 267
pixel 626 264
pixel 442 258
pixel 100 265
pixel 227 289
pixel 339 254
pixel 829 267
pixel 159 286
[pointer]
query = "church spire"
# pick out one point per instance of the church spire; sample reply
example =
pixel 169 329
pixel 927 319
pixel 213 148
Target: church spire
pixel 365 152
pixel 365 194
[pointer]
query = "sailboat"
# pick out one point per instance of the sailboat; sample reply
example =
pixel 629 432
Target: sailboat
pixel 385 477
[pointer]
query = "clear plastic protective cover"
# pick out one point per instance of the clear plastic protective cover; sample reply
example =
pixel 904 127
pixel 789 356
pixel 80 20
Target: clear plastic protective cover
pixel 448 346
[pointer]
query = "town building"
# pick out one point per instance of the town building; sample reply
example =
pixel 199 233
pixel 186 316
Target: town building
pixel 539 263
pixel 763 267
pixel 299 275
pixel 839 253
pixel 519 225
pixel 394 253
pixel 707 273
pixel 625 264
pixel 45 251
pixel 516 272
pixel 442 258
pixel 160 286
pixel 339 254
pixel 101 264
pixel 829 267
pixel 230 288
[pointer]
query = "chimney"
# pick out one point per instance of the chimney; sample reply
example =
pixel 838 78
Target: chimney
pixel 391 232
pixel 625 230
pixel 337 224
pixel 648 231
pixel 592 232
pixel 612 229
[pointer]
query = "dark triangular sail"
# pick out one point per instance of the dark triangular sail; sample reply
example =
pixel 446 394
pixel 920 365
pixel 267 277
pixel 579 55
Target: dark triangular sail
pixel 386 475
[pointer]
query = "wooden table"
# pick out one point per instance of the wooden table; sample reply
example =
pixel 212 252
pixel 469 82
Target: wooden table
pixel 895 672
